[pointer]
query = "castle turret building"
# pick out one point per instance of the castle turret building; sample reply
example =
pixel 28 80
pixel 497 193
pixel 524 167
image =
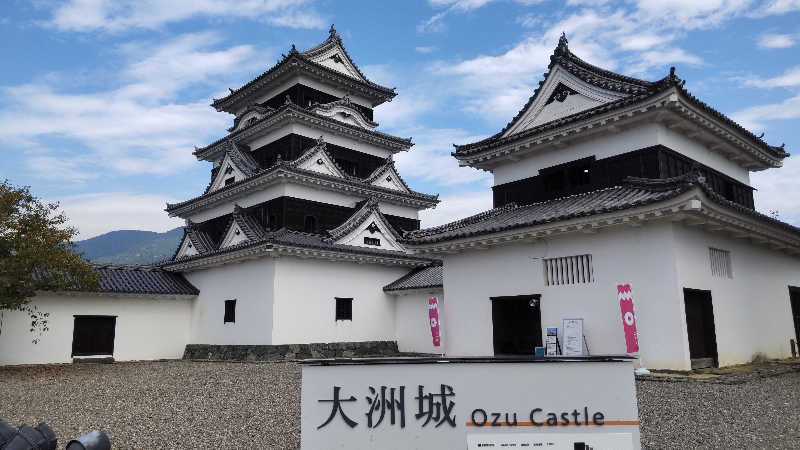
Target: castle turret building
pixel 604 180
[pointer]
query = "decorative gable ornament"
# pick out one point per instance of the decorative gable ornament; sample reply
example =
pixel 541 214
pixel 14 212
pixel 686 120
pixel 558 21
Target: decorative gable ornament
pixel 317 159
pixel 369 228
pixel 386 176
pixel 561 94
pixel 344 111
pixel 236 165
pixel 241 228
pixel 331 54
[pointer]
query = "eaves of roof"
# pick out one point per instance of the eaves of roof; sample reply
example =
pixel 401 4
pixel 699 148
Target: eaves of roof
pixel 296 61
pixel 290 110
pixel 295 243
pixel 283 169
pixel 635 192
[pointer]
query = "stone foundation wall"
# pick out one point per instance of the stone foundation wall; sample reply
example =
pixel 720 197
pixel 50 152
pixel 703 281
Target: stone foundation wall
pixel 290 351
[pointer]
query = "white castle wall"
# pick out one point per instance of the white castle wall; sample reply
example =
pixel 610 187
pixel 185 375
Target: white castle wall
pixel 146 328
pixel 625 255
pixel 411 322
pixel 605 146
pixel 752 312
pixel 251 284
pixel 305 291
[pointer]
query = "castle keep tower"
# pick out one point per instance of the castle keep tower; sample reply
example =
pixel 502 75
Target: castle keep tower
pixel 302 173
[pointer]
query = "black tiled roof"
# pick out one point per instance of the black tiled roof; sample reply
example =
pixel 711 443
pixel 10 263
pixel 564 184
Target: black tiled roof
pixel 633 193
pixel 636 89
pixel 291 166
pixel 422 278
pixel 288 109
pixel 295 60
pixel 142 280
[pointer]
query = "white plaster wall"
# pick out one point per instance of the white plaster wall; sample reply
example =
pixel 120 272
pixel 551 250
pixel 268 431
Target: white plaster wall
pixel 411 322
pixel 146 328
pixel 641 136
pixel 304 308
pixel 643 257
pixel 752 312
pixel 251 284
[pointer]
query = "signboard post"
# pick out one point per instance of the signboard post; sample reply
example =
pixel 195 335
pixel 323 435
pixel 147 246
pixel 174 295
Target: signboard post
pixel 472 403
pixel 572 332
pixel 433 316
pixel 628 317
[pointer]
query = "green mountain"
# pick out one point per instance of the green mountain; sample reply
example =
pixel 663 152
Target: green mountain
pixel 131 246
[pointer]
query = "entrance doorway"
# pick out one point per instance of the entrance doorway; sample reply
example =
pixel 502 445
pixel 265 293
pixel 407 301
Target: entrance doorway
pixel 700 328
pixel 517 324
pixel 794 299
pixel 93 335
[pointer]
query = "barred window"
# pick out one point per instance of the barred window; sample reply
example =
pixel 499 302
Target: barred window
pixel 720 263
pixel 568 270
pixel 344 308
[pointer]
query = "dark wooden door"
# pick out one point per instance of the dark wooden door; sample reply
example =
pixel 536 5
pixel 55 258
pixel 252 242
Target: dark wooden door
pixel 517 324
pixel 700 325
pixel 794 299
pixel 93 335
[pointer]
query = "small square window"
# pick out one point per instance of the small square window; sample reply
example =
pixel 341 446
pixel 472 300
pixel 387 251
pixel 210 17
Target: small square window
pixel 230 311
pixel 344 308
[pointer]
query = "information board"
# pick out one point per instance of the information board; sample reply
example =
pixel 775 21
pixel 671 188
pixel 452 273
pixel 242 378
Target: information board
pixel 572 337
pixel 451 403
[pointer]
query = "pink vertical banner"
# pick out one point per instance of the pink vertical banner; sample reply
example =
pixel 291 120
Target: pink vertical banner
pixel 628 317
pixel 433 316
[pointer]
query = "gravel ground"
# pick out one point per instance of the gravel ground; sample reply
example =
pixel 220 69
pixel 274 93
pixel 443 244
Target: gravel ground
pixel 160 405
pixel 193 405
pixel 755 410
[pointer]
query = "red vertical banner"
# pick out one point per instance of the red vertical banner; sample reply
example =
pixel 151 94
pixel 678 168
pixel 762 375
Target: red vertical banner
pixel 433 316
pixel 628 317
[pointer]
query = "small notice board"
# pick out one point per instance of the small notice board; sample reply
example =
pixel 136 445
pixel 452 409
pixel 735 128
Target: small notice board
pixel 572 337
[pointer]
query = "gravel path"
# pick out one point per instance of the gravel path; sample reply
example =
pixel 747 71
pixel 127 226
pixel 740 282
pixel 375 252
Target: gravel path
pixel 160 405
pixel 193 405
pixel 750 411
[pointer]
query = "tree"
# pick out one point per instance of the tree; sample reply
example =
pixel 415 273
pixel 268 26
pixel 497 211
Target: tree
pixel 37 253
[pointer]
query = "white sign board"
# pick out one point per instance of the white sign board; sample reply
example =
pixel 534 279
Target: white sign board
pixel 466 403
pixel 572 337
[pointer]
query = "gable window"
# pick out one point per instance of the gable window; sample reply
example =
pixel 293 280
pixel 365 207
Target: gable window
pixel 720 263
pixel 568 270
pixel 344 308
pixel 229 181
pixel 310 225
pixel 372 241
pixel 230 311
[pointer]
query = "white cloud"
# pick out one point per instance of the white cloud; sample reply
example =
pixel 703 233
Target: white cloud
pixel 775 7
pixel 772 40
pixel 790 78
pixel 100 213
pixel 139 127
pixel 753 118
pixel 457 206
pixel 436 22
pixel 430 160
pixel 778 190
pixel 120 15
pixel 425 49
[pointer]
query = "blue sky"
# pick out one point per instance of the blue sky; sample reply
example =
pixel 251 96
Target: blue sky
pixel 102 101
